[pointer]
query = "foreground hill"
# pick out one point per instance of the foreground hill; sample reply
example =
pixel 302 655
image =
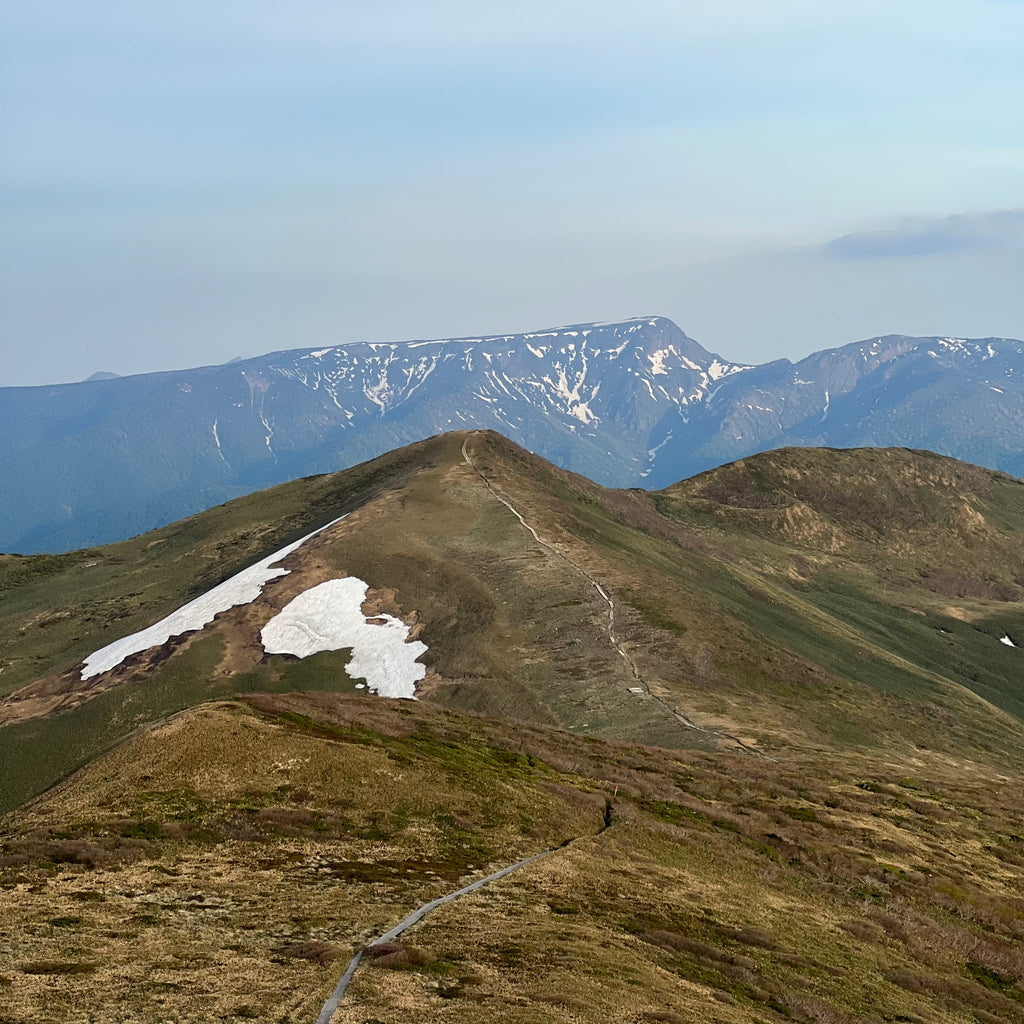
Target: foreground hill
pixel 628 403
pixel 807 599
pixel 224 865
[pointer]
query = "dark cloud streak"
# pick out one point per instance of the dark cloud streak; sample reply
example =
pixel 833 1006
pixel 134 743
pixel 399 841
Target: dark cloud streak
pixel 932 238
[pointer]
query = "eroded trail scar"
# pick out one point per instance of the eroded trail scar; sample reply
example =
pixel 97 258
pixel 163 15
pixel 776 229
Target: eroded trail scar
pixel 605 596
pixel 610 602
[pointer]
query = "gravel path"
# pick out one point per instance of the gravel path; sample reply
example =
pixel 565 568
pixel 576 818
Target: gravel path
pixel 609 601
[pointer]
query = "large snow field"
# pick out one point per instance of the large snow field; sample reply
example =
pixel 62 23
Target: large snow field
pixel 329 617
pixel 242 588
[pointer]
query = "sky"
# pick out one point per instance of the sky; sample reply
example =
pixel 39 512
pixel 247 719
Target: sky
pixel 185 183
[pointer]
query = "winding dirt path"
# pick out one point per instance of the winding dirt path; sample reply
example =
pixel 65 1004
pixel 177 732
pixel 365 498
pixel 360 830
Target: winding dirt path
pixel 610 602
pixel 332 1004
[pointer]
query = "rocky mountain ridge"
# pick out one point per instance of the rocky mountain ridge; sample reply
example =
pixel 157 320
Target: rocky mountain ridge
pixel 630 403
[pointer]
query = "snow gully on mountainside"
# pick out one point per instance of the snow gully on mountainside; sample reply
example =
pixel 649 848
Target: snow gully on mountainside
pixel 595 398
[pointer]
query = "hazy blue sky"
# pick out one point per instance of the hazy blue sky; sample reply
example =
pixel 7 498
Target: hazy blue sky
pixel 182 183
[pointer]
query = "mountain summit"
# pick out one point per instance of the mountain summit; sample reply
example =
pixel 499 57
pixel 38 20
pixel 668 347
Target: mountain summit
pixel 636 402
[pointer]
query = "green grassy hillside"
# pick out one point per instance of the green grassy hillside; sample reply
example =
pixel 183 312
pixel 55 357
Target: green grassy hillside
pixel 802 599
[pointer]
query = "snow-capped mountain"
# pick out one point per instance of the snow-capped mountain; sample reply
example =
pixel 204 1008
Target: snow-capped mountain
pixel 955 396
pixel 630 403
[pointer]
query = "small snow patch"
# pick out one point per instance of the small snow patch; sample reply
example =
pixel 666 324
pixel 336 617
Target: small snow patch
pixel 1005 639
pixel 242 588
pixel 329 617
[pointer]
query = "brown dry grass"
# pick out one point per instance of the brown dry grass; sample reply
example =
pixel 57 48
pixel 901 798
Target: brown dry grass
pixel 274 841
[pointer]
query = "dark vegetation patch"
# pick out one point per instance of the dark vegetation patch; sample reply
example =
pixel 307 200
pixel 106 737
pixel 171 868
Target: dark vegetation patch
pixel 57 967
pixel 397 955
pixel 923 923
pixel 94 853
pixel 318 952
pixel 951 584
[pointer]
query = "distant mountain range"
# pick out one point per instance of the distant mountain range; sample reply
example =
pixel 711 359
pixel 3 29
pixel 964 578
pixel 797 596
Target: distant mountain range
pixel 636 403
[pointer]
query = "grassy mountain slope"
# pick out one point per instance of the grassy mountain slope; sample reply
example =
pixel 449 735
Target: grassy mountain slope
pixel 782 683
pixel 811 599
pixel 223 865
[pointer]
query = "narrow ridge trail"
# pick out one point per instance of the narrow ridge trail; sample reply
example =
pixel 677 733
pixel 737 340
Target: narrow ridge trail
pixel 682 718
pixel 332 1004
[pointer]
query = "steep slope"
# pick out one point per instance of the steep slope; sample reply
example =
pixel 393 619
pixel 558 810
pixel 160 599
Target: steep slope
pixel 829 643
pixel 628 403
pixel 797 600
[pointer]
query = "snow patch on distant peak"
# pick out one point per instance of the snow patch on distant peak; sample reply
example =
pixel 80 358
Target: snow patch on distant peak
pixel 657 359
pixel 582 412
pixel 622 323
pixel 717 370
pixel 1005 639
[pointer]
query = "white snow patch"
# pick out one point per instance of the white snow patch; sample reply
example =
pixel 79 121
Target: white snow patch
pixel 651 452
pixel 216 441
pixel 582 412
pixel 657 359
pixel 329 617
pixel 717 369
pixel 1005 639
pixel 242 588
pixel 616 323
